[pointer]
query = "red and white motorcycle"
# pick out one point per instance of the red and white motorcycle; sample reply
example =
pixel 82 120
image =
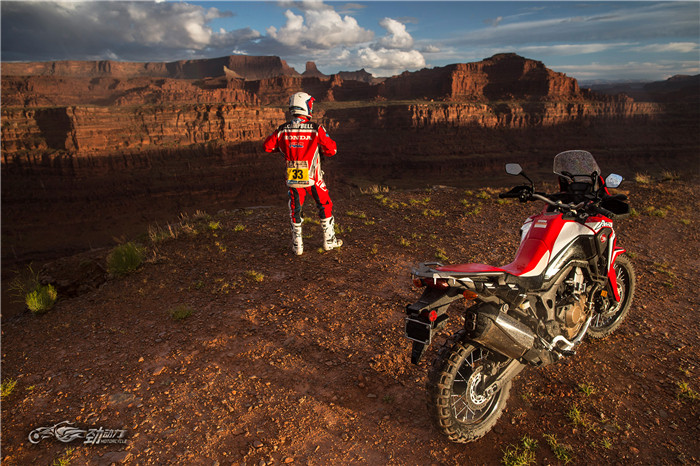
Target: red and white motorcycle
pixel 568 279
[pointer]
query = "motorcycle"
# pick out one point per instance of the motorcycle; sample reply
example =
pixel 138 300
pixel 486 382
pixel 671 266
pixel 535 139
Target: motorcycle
pixel 569 279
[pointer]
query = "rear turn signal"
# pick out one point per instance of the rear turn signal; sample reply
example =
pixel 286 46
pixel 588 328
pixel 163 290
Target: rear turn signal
pixel 469 295
pixel 418 283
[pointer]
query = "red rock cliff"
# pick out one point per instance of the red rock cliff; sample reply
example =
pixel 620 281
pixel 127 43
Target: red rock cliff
pixel 248 67
pixel 501 77
pixel 106 107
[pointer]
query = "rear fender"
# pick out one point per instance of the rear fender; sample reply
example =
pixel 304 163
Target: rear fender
pixel 426 317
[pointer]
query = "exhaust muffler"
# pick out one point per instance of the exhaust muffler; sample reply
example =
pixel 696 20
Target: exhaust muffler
pixel 498 331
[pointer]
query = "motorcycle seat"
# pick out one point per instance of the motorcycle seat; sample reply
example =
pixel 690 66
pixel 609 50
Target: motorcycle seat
pixel 472 269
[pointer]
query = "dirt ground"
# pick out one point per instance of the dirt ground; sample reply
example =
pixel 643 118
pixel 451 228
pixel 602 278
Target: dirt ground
pixel 302 360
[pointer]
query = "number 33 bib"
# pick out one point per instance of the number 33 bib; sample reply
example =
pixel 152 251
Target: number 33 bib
pixel 298 173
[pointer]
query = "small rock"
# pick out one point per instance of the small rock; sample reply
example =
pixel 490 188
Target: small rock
pixel 634 451
pixel 257 444
pixel 114 457
pixel 371 395
pixel 288 460
pixel 159 370
pixel 120 398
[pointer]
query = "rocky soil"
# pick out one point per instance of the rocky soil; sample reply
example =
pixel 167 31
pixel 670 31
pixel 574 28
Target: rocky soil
pixel 302 360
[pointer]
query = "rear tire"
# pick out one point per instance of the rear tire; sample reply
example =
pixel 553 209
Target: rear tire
pixel 458 408
pixel 607 319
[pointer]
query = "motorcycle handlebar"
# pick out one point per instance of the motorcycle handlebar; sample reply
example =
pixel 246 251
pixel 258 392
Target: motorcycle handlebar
pixel 524 194
pixel 602 211
pixel 516 192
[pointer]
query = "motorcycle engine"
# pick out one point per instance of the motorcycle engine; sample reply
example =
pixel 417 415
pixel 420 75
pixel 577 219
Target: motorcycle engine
pixel 571 305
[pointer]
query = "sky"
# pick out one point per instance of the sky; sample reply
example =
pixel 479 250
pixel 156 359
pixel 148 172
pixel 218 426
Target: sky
pixel 590 41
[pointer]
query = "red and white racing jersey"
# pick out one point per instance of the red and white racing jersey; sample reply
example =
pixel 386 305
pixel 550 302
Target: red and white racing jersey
pixel 302 142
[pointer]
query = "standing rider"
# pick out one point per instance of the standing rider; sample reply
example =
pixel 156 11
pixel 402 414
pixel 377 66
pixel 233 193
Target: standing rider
pixel 302 143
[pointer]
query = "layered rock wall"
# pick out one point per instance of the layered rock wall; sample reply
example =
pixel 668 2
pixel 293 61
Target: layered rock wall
pixel 248 67
pixel 93 130
pixel 107 107
pixel 501 77
pixel 108 130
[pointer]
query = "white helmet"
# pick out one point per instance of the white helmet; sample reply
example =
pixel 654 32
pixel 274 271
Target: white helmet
pixel 301 103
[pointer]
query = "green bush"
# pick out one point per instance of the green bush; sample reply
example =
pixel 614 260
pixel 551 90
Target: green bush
pixel 7 386
pixel 181 312
pixel 124 259
pixel 41 299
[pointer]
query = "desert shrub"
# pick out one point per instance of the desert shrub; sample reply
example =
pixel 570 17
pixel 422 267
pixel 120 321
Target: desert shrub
pixel 669 176
pixel 374 189
pixel 41 299
pixel 642 178
pixel 564 453
pixel 157 234
pixel 441 255
pixel 24 282
pixel 7 386
pixel 181 312
pixel 254 276
pixel 124 259
pixel 522 454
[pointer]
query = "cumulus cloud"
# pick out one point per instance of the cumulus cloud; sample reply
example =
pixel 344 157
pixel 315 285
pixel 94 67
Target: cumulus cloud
pixel 391 54
pixel 319 27
pixel 387 62
pixel 397 37
pixel 118 30
pixel 320 33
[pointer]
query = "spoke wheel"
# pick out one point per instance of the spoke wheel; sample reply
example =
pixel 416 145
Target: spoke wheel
pixel 608 315
pixel 457 399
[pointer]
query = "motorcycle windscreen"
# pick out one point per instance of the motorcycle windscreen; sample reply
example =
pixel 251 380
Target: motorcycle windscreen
pixel 578 164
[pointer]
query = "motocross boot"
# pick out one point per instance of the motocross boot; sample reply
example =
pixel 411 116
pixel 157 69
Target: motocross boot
pixel 297 240
pixel 329 239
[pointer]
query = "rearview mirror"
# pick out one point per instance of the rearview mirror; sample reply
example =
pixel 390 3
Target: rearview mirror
pixel 514 168
pixel 613 180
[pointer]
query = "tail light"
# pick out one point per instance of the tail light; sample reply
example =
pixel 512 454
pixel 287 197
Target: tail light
pixel 439 283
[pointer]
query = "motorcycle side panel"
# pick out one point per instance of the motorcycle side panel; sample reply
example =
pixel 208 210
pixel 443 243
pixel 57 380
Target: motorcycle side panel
pixel 547 235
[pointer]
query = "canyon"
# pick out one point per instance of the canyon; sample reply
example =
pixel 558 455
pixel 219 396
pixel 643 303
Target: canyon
pixel 97 150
